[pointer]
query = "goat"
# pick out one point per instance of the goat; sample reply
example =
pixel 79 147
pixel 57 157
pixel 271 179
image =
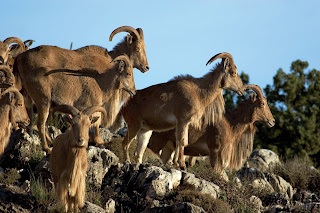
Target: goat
pixel 6 76
pixel 5 52
pixel 48 85
pixel 181 102
pixel 91 57
pixel 68 159
pixel 227 142
pixel 16 49
pixel 12 111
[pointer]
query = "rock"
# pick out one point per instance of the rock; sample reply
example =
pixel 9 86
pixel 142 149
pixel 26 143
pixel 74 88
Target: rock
pixel 263 159
pixel 262 185
pixel 92 208
pixel 203 186
pixel 106 135
pixel 257 203
pixel 99 162
pixel 158 182
pixel 187 208
pixel 53 132
pixel 280 185
pixel 110 206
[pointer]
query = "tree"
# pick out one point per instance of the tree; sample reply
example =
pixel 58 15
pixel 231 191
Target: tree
pixel 294 100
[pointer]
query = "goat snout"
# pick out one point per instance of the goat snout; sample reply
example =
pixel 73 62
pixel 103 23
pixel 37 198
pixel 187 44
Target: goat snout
pixel 81 141
pixel 240 92
pixel 271 123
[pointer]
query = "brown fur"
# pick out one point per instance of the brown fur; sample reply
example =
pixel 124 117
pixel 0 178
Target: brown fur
pixel 227 142
pixel 12 111
pixel 5 52
pixel 64 83
pixel 68 160
pixel 177 104
pixel 50 58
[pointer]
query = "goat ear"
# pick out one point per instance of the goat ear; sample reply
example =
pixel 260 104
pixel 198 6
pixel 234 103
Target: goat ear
pixel 122 66
pixel 28 43
pixel 129 39
pixel 225 63
pixel 252 97
pixel 94 119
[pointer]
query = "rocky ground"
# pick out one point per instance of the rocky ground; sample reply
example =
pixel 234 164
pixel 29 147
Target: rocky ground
pixel 264 184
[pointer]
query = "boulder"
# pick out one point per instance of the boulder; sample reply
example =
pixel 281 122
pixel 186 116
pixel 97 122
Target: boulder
pixel 187 208
pixel 280 185
pixel 263 159
pixel 203 186
pixel 91 208
pixel 99 162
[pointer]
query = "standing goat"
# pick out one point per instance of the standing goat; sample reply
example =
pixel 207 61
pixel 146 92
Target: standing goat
pixel 68 160
pixel 12 111
pixel 45 59
pixel 179 103
pixel 53 85
pixel 227 142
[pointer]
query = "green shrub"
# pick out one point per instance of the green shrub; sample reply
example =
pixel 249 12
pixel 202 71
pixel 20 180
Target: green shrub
pixel 10 177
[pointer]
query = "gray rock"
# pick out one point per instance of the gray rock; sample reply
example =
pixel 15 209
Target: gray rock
pixel 280 185
pixel 99 162
pixel 92 208
pixel 158 181
pixel 263 159
pixel 203 186
pixel 106 135
pixel 110 206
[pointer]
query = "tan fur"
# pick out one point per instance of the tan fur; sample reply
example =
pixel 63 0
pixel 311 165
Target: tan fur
pixel 68 160
pixel 12 111
pixel 227 142
pixel 177 104
pixel 33 64
pixel 65 84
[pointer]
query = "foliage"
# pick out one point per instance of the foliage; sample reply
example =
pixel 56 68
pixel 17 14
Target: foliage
pixel 299 174
pixel 294 101
pixel 10 177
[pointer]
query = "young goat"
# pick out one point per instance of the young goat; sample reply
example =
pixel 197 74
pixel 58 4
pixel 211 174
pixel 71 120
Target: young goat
pixel 179 103
pixel 68 160
pixel 227 142
pixel 12 111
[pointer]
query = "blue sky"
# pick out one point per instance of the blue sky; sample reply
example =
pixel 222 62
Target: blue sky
pixel 181 36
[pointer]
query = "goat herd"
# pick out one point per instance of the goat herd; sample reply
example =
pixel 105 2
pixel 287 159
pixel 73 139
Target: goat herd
pixel 89 84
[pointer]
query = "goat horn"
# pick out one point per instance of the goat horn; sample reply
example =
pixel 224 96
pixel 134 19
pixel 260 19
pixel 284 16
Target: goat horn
pixel 66 109
pixel 11 40
pixel 123 58
pixel 255 88
pixel 128 29
pixel 14 90
pixel 92 109
pixel 221 55
pixel 7 71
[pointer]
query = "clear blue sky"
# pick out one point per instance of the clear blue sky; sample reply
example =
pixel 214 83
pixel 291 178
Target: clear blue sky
pixel 180 36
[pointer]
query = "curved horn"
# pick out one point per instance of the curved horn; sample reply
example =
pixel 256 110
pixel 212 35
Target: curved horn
pixel 14 90
pixel 221 55
pixel 128 29
pixel 66 109
pixel 125 58
pixel 92 109
pixel 256 89
pixel 11 40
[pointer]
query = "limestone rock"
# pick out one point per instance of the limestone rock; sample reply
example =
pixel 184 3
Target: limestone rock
pixel 263 159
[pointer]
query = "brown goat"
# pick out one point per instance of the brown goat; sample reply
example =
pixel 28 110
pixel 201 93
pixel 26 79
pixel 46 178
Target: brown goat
pixel 12 111
pixel 5 53
pixel 179 103
pixel 54 85
pixel 6 77
pixel 68 160
pixel 227 142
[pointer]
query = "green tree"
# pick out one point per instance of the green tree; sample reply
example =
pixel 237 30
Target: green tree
pixel 294 100
pixel 231 98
